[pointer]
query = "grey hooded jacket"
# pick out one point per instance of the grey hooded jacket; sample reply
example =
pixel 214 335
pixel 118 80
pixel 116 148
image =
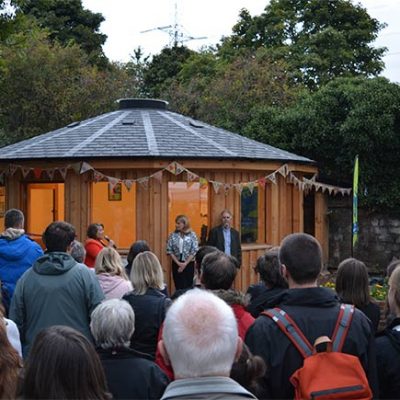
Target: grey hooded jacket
pixel 55 291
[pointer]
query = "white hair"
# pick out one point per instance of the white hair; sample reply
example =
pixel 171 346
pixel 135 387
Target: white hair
pixel 112 324
pixel 200 335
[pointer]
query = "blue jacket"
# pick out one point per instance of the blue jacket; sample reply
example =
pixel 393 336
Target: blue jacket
pixel 16 256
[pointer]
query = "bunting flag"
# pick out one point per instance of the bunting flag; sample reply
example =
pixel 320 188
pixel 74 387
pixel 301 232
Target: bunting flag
pixel 25 172
pixel 37 172
pixel 216 186
pixel 355 205
pixel 128 184
pixel 203 182
pixel 176 169
pixel 63 172
pixel 158 176
pixel 85 167
pixel 112 182
pixel 76 167
pixel 144 182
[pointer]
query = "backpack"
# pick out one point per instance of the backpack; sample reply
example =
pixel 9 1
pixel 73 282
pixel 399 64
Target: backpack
pixel 330 374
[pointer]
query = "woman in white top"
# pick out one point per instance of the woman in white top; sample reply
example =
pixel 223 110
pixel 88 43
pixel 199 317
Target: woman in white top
pixel 182 246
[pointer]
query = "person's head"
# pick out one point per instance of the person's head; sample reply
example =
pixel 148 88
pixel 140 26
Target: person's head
pixel 300 255
pixel 108 261
pixel 201 253
pixel 14 218
pixel 77 251
pixel 391 267
pixel 138 247
pixel 112 324
pixel 352 283
pixel 394 292
pixel 226 218
pixel 95 231
pixel 63 364
pixel 218 271
pixel 58 236
pixel 10 365
pixel 182 223
pixel 248 371
pixel 200 336
pixel 269 268
pixel 146 273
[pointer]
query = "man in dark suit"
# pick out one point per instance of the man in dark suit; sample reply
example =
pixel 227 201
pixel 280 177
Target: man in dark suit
pixel 226 238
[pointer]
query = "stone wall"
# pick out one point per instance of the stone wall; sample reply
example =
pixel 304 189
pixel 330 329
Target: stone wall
pixel 379 235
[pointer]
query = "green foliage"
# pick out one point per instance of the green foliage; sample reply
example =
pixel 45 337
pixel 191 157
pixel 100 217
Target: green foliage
pixel 67 21
pixel 163 68
pixel 348 116
pixel 319 40
pixel 224 93
pixel 44 86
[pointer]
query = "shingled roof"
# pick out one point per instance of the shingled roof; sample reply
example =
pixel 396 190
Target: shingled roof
pixel 143 128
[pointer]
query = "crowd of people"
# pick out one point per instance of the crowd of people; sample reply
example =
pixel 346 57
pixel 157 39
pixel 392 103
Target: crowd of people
pixel 77 322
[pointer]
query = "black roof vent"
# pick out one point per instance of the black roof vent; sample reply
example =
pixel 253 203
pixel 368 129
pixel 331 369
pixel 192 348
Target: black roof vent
pixel 142 103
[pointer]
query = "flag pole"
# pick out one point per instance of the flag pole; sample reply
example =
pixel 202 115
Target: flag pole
pixel 355 227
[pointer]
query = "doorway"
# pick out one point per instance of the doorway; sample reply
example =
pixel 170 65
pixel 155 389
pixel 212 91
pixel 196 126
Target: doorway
pixel 45 204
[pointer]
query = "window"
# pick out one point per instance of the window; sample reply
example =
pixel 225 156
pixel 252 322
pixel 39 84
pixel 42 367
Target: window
pixel 116 210
pixel 191 200
pixel 249 215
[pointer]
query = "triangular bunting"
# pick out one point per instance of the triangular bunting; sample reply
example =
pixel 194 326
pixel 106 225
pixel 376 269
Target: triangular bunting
pixel 262 182
pixel 203 182
pixel 50 173
pixel 239 187
pixel 179 169
pixel 171 168
pixel 97 176
pixel 190 176
pixel 37 172
pixel 112 182
pixel 158 176
pixel 272 178
pixel 25 172
pixel 63 172
pixel 144 182
pixel 227 187
pixel 85 167
pixel 76 167
pixel 12 168
pixel 128 184
pixel 251 185
pixel 216 186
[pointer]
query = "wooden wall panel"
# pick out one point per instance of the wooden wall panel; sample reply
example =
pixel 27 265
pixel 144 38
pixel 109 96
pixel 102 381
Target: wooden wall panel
pixel 321 224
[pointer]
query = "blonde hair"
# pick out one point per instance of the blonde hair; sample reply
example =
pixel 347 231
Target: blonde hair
pixel 185 220
pixel 394 283
pixel 109 261
pixel 146 273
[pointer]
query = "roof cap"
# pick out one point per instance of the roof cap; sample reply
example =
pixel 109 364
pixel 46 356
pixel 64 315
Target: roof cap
pixel 142 103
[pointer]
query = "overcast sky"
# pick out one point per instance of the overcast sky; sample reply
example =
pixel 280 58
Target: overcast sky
pixel 125 19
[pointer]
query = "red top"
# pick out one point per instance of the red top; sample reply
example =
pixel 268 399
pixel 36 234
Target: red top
pixel 92 247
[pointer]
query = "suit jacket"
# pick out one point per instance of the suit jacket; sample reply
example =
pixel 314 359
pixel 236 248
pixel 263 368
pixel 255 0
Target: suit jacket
pixel 216 239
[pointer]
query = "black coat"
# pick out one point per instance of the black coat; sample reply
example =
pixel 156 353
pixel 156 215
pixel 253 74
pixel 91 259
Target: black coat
pixel 216 239
pixel 131 376
pixel 262 298
pixel 150 309
pixel 373 312
pixel 315 310
pixel 388 361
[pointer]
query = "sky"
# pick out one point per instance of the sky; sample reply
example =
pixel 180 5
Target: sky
pixel 126 19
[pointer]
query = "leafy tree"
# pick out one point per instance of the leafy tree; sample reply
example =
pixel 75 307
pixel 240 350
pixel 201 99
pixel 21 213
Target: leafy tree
pixel 346 117
pixel 163 68
pixel 67 21
pixel 44 86
pixel 226 93
pixel 319 40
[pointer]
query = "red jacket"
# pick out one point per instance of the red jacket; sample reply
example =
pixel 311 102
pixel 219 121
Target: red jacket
pixel 92 247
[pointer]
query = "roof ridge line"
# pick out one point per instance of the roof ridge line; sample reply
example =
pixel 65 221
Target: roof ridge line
pixel 210 141
pixel 150 137
pixel 95 135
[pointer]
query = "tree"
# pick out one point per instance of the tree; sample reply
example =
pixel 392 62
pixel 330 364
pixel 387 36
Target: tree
pixel 67 21
pixel 346 117
pixel 319 40
pixel 226 93
pixel 44 86
pixel 163 68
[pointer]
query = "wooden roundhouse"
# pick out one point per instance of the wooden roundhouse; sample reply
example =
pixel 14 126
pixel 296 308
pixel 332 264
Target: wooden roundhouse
pixel 136 168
